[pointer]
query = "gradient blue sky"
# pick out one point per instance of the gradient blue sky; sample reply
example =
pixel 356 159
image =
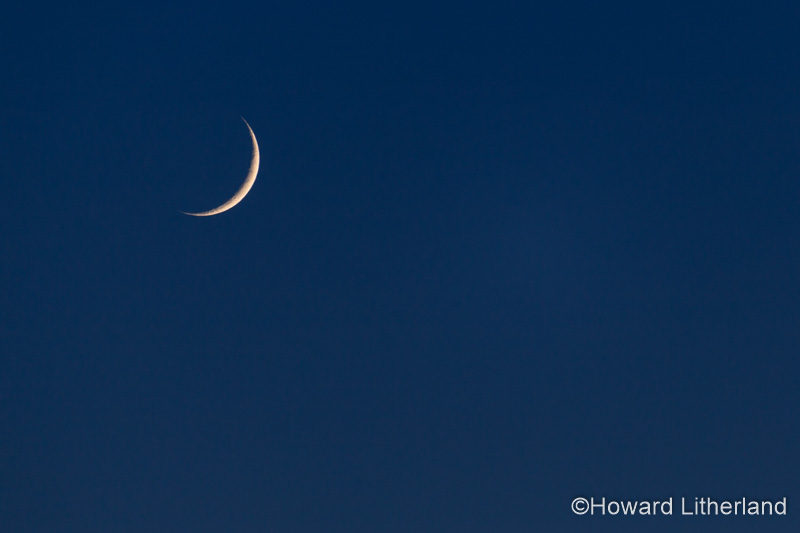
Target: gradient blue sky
pixel 497 256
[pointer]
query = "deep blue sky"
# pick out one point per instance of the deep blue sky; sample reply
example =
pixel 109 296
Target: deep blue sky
pixel 496 257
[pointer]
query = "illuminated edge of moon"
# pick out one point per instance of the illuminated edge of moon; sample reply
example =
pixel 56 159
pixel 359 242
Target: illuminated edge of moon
pixel 246 186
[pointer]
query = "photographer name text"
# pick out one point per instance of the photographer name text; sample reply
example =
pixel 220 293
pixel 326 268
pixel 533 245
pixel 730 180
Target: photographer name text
pixel 684 506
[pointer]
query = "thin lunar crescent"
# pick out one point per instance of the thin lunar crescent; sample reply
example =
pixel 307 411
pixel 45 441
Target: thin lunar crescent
pixel 244 189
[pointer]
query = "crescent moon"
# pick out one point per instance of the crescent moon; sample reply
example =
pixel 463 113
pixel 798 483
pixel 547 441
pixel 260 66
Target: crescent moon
pixel 244 189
